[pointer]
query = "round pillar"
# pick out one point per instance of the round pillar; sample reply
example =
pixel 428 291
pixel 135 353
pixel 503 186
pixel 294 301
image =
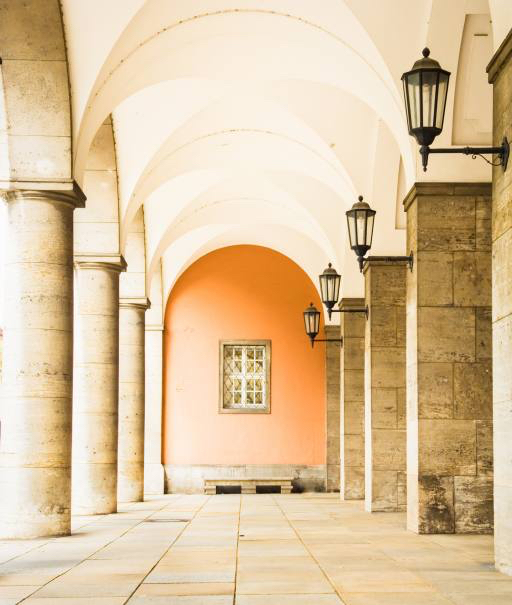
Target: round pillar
pixel 95 389
pixel 130 487
pixel 35 408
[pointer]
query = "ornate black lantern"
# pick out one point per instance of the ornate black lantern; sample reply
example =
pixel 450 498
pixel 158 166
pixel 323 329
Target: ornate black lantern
pixel 360 219
pixel 425 94
pixel 330 282
pixel 312 322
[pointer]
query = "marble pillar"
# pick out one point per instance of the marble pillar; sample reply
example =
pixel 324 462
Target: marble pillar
pixel 353 326
pixel 130 477
pixel 95 388
pixel 384 371
pixel 500 75
pixel 332 395
pixel 449 359
pixel 35 444
pixel 154 478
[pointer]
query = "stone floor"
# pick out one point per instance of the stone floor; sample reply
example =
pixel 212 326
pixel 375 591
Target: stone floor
pixel 307 549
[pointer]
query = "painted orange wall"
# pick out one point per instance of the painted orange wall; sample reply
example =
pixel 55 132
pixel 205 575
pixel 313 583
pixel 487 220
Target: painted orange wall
pixel 242 292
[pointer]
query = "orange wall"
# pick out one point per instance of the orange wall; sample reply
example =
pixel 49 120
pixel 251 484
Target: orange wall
pixel 242 292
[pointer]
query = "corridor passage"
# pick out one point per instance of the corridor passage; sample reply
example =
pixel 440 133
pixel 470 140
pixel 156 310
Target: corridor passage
pixel 306 549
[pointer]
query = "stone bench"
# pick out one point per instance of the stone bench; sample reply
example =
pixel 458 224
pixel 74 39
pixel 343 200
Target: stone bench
pixel 248 485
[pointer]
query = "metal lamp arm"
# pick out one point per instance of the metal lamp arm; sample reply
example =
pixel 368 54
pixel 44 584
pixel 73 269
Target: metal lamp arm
pixel 503 152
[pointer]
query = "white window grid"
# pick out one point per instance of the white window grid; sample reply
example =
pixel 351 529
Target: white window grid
pixel 245 376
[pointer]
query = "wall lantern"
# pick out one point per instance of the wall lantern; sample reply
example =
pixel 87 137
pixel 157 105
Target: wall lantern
pixel 425 94
pixel 330 282
pixel 360 220
pixel 312 325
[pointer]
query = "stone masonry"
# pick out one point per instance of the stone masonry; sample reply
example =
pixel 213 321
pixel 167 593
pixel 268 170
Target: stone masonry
pixel 332 394
pixel 500 75
pixel 449 365
pixel 385 441
pixel 353 326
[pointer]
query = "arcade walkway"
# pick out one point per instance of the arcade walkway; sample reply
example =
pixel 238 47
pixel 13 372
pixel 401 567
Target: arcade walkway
pixel 266 549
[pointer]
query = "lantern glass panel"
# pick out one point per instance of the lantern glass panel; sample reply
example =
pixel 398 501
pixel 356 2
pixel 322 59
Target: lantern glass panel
pixel 369 229
pixel 429 97
pixel 413 96
pixel 441 96
pixel 361 227
pixel 351 222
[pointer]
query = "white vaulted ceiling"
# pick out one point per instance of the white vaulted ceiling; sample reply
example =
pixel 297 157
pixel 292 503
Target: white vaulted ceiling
pixel 261 121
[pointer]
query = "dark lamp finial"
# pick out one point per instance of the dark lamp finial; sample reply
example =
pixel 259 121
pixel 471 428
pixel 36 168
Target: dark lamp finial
pixel 360 198
pixel 330 265
pixel 426 52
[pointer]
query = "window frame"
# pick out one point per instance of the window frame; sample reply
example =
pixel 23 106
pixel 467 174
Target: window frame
pixel 268 365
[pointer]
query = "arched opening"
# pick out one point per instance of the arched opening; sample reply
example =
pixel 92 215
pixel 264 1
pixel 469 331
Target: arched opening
pixel 242 293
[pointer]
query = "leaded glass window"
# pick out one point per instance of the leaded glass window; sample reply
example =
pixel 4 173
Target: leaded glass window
pixel 245 376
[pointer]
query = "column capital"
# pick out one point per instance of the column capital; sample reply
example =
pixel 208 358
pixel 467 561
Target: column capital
pixel 350 303
pixel 135 303
pixel 500 58
pixel 66 191
pixel 437 189
pixel 379 261
pixel 108 262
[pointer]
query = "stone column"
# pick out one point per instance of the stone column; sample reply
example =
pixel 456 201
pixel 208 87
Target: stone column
pixel 130 486
pixel 449 359
pixel 95 389
pixel 153 467
pixel 35 444
pixel 353 326
pixel 500 75
pixel 384 371
pixel 332 417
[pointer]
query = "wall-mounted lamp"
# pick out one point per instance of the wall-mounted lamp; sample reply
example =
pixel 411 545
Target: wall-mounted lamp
pixel 312 325
pixel 425 94
pixel 330 281
pixel 360 220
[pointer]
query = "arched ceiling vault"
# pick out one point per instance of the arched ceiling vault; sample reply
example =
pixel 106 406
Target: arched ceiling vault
pixel 259 122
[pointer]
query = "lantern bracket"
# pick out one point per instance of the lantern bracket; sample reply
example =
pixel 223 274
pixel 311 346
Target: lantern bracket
pixel 366 311
pixel 338 340
pixel 503 153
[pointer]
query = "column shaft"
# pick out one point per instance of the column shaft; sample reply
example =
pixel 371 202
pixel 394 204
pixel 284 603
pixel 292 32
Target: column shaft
pixel 332 395
pixel 385 477
pixel 449 359
pixel 35 450
pixel 130 486
pixel 500 75
pixel 95 392
pixel 154 479
pixel 353 326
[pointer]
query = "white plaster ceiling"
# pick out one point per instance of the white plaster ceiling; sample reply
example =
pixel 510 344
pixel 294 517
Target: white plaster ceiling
pixel 241 121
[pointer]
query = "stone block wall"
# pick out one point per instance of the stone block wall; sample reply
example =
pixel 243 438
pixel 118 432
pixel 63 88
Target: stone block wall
pixel 500 75
pixel 332 416
pixel 385 440
pixel 449 359
pixel 353 326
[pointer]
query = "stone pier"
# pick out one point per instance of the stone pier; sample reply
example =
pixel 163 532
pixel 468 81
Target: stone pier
pixel 353 326
pixel 384 370
pixel 332 394
pixel 500 75
pixel 449 359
